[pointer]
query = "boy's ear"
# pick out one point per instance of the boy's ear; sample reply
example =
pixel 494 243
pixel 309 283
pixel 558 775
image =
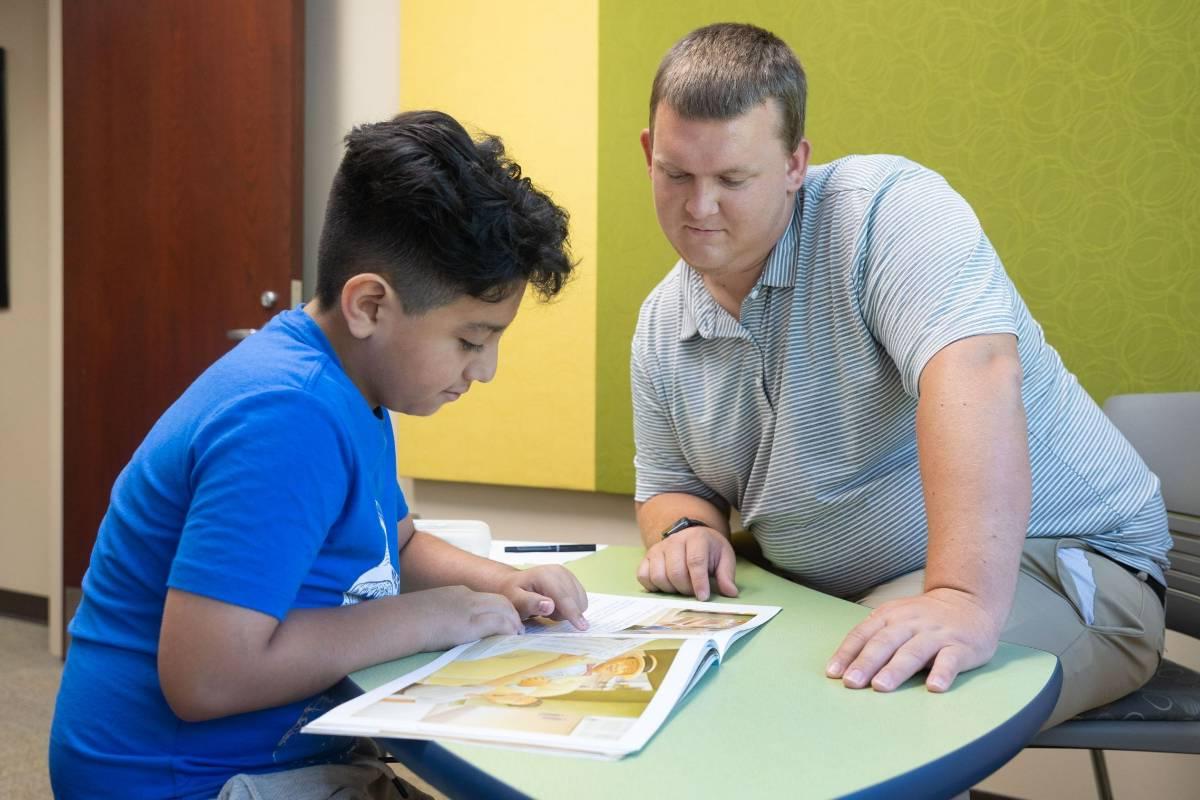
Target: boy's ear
pixel 362 297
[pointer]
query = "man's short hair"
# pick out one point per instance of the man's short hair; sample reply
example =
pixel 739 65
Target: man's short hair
pixel 439 215
pixel 722 71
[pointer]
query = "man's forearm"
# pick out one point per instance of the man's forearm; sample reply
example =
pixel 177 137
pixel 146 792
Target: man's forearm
pixel 974 458
pixel 659 512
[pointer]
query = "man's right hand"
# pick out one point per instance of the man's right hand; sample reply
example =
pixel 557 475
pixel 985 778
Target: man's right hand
pixel 686 563
pixel 457 614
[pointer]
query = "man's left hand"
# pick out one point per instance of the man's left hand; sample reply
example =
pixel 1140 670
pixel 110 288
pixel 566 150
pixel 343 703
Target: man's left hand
pixel 547 591
pixel 945 629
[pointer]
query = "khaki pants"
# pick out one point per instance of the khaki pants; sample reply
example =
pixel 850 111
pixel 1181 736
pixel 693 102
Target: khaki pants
pixel 1103 623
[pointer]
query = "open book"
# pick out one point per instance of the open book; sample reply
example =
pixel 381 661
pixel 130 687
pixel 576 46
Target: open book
pixel 601 692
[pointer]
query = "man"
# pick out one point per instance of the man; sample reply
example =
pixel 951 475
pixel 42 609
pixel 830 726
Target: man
pixel 840 355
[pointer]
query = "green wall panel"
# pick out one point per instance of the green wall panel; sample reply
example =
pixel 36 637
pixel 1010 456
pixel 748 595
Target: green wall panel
pixel 1072 128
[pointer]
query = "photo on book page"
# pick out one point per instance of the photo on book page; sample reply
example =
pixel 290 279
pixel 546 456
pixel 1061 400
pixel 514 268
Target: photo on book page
pixel 581 689
pixel 683 620
pixel 648 616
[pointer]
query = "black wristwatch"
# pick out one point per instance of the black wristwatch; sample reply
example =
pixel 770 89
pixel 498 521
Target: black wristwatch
pixel 682 524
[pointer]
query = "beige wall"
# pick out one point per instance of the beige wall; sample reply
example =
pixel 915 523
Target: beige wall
pixel 351 75
pixel 28 331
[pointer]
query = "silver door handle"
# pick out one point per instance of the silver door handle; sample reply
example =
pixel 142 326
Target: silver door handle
pixel 237 334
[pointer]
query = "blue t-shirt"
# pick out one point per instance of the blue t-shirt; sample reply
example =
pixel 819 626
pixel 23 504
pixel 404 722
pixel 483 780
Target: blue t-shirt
pixel 270 484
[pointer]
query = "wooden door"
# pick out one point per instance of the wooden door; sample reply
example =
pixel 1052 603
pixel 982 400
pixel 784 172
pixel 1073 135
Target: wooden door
pixel 182 157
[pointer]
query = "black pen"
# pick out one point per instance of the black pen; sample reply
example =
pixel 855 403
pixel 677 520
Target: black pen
pixel 551 548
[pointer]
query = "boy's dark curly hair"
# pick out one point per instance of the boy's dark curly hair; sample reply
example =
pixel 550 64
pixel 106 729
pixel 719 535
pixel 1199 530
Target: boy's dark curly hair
pixel 439 215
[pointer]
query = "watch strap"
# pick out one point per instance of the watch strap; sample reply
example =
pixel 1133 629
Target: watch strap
pixel 682 524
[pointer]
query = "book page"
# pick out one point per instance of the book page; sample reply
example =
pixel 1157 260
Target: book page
pixel 600 695
pixel 602 692
pixel 659 617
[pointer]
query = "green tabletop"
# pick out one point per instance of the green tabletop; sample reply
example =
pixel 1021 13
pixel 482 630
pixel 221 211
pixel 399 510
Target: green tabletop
pixel 768 723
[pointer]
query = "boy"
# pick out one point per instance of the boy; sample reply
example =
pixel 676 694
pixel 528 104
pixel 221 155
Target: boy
pixel 227 592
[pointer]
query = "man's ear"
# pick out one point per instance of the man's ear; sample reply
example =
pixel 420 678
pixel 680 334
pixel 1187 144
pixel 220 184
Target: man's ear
pixel 362 297
pixel 798 165
pixel 648 149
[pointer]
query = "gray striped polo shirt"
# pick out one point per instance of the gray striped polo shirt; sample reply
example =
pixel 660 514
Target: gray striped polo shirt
pixel 802 414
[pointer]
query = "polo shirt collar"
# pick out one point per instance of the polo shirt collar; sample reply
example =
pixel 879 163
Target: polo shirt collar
pixel 699 309
pixel 780 270
pixel 692 295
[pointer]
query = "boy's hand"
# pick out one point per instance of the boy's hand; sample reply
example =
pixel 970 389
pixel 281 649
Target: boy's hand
pixel 457 614
pixel 547 591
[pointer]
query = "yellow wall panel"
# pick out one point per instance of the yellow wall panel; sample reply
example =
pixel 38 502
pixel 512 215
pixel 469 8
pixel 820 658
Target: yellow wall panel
pixel 526 71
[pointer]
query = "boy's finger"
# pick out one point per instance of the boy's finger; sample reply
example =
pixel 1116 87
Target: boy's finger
pixel 532 604
pixel 572 602
pixel 581 594
pixel 569 610
pixel 498 620
pixel 511 612
pixel 566 585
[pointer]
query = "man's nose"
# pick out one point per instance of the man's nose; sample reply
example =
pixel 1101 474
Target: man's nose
pixel 702 200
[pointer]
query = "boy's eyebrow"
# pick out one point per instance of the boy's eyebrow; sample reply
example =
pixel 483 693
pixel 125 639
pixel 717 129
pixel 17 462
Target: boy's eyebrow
pixel 486 326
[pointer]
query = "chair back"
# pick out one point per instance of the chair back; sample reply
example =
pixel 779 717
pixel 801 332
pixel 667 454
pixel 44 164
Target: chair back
pixel 1165 431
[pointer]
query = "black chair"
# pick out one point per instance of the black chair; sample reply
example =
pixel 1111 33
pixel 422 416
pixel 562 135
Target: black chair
pixel 1164 715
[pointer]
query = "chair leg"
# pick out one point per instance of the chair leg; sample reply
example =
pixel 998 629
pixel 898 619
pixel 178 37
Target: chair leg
pixel 1100 770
